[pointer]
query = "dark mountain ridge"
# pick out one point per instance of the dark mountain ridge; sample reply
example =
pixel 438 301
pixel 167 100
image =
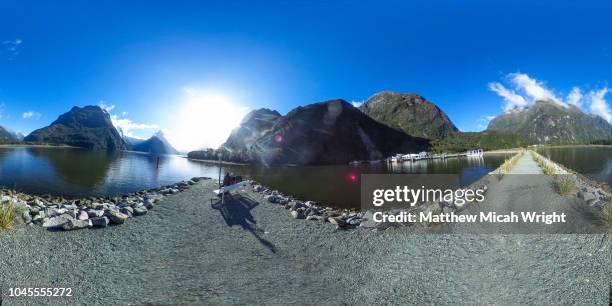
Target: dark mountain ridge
pixel 330 132
pixel 410 113
pixel 87 127
pixel 157 144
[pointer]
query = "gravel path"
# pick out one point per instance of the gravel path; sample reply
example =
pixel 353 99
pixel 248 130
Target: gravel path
pixel 186 251
pixel 527 189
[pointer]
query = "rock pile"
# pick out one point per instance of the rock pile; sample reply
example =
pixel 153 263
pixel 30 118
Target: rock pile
pixel 349 219
pixel 592 195
pixel 310 210
pixel 57 213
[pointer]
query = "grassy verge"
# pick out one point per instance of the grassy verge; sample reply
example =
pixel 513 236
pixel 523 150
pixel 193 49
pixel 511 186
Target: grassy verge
pixel 8 213
pixel 507 165
pixel 565 184
pixel 547 167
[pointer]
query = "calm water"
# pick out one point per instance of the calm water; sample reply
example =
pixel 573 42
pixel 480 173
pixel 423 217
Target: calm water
pixel 594 162
pixel 76 173
pixel 335 186
pixel 80 173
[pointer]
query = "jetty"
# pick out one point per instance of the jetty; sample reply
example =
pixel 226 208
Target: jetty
pixel 412 157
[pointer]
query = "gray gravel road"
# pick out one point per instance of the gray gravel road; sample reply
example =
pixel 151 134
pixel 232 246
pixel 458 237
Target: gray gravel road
pixel 186 251
pixel 527 189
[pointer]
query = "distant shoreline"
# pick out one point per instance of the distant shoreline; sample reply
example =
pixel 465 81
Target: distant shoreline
pixel 571 145
pixel 38 145
pixel 210 161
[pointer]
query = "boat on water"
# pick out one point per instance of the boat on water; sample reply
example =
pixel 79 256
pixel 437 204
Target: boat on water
pixel 475 153
pixel 396 159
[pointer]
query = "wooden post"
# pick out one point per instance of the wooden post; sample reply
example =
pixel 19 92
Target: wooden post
pixel 222 194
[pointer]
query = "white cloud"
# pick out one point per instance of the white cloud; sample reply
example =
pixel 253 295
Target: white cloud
pixel 528 90
pixel 533 88
pixel 126 126
pixel 575 97
pixel 12 47
pixel 511 98
pixel 357 103
pixel 31 115
pixel 106 106
pixel 598 105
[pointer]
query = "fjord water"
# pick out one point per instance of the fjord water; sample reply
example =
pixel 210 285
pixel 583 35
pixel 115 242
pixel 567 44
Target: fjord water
pixel 73 173
pixel 339 185
pixel 592 161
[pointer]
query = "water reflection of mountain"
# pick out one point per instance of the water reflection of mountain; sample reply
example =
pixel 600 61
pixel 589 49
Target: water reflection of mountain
pixel 78 166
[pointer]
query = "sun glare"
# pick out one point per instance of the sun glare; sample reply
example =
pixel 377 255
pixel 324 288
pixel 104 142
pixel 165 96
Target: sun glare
pixel 204 120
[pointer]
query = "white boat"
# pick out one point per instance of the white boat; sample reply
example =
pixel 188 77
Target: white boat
pixel 475 153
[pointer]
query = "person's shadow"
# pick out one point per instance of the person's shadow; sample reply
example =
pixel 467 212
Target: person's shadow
pixel 237 211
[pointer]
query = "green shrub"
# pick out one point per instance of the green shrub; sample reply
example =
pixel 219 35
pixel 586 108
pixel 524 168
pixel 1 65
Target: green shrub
pixel 549 170
pixel 566 184
pixel 8 213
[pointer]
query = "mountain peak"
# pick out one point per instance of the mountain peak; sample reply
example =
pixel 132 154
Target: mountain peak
pixel 410 112
pixel 547 121
pixel 88 127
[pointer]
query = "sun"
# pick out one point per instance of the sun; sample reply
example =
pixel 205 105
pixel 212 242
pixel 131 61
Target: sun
pixel 204 120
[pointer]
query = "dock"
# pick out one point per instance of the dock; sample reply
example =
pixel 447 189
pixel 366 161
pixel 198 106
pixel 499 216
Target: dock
pixel 412 157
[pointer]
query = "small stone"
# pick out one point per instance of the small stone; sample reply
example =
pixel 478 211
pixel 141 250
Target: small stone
pixel 315 218
pixel 310 203
pixel 26 217
pixel 277 199
pixel 140 211
pixel 70 206
pixel 354 221
pixel 586 196
pixel 100 221
pixel 34 210
pixel 127 211
pixel 74 224
pixel 95 213
pixel 148 204
pixel 57 221
pixel 116 217
pixel 336 221
pixel 296 214
pixel 52 212
pixel 82 215
pixel 39 217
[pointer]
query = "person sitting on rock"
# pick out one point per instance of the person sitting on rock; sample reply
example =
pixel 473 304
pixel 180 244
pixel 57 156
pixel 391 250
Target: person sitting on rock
pixel 231 179
pixel 227 179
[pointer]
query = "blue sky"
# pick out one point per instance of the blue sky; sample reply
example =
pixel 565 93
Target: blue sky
pixel 145 58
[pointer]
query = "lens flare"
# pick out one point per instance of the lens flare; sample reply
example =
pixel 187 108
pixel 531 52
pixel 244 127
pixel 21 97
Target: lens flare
pixel 204 120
